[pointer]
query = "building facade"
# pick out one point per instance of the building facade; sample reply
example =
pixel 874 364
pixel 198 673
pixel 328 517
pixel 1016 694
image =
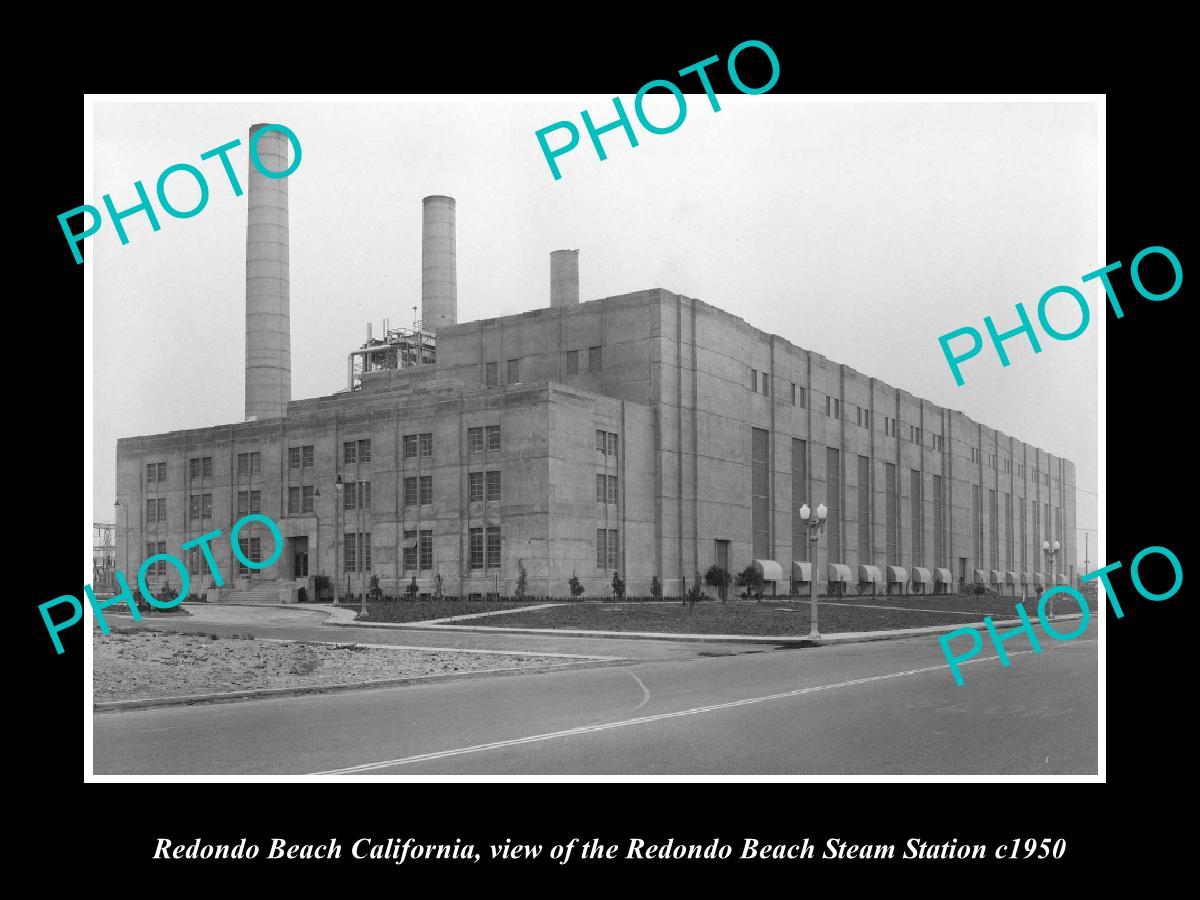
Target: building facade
pixel 648 433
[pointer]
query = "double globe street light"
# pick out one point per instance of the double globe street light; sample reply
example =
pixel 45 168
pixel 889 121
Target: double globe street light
pixel 1051 551
pixel 815 527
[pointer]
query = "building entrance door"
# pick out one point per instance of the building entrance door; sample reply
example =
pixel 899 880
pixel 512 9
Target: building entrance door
pixel 300 557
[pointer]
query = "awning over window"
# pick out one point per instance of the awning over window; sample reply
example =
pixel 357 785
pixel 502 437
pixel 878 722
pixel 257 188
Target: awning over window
pixel 943 576
pixel 769 569
pixel 1039 577
pixel 839 572
pixel 996 577
pixel 1028 578
pixel 897 575
pixel 980 576
pixel 870 575
pixel 1010 578
pixel 802 571
pixel 1061 578
pixel 921 576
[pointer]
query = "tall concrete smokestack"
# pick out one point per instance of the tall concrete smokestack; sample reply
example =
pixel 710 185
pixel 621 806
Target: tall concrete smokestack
pixel 439 277
pixel 564 277
pixel 268 324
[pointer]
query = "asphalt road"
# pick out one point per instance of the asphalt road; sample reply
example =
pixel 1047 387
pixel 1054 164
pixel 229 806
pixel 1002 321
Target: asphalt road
pixel 678 708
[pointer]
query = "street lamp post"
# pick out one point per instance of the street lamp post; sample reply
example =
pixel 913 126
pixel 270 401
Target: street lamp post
pixel 815 528
pixel 1051 551
pixel 337 536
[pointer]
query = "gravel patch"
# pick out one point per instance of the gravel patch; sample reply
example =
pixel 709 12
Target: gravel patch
pixel 138 664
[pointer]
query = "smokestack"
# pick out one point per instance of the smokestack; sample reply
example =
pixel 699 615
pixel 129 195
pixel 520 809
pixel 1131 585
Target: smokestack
pixel 564 277
pixel 439 279
pixel 268 335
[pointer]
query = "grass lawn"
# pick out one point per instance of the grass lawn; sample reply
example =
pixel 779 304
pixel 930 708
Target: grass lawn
pixel 773 616
pixel 422 610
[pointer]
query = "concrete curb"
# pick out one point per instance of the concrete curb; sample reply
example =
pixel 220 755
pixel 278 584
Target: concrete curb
pixel 798 640
pixel 269 693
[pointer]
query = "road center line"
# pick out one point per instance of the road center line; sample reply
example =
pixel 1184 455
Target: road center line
pixel 642 720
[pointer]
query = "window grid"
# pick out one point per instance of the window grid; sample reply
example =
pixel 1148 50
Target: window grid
pixel 493 486
pixel 475 487
pixel 493 437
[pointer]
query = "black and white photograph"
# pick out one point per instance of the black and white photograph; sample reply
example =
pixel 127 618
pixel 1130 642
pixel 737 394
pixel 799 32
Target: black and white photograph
pixel 687 434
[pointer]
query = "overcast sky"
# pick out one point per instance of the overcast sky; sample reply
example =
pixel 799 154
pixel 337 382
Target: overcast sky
pixel 860 230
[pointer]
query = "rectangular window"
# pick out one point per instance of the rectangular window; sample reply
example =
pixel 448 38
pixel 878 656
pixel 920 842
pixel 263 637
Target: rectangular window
pixel 293 500
pixel 349 557
pixel 426 441
pixel 891 514
pixel 193 469
pixel 595 359
pixel 349 495
pixel 206 506
pixel 858 412
pixel 475 541
pixel 760 500
pixel 977 521
pixel 364 456
pixel 1049 534
pixel 475 440
pixel 410 549
pixel 514 371
pixel 939 520
pixel 252 550
pixel 600 443
pixel 793 393
pixel 307 456
pixel 249 463
pixel 833 528
pixel 864 510
pixel 493 486
pixel 349 453
pixel 918 518
pixel 613 548
pixel 799 498
pixel 156 509
pixel 994 531
pixel 306 494
pixel 493 374
pixel 612 489
pixel 194 507
pixel 1008 533
pixel 364 495
pixel 493 547
pixel 766 384
pixel 151 475
pixel 493 437
pixel 1021 534
pixel 410 446
pixel 802 397
pixel 754 380
pixel 426 548
pixel 365 543
pixel 193 560
pixel 1036 520
pixel 607 548
pixel 475 487
pixel 426 490
pixel 611 449
pixel 410 492
pixel 293 457
pixel 600 489
pixel 572 362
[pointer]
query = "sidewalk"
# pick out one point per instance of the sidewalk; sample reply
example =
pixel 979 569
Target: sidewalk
pixel 797 640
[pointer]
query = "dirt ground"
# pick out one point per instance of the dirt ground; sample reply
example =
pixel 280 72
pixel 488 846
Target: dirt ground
pixel 138 663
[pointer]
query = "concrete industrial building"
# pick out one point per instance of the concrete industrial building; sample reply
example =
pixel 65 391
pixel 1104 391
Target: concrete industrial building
pixel 648 433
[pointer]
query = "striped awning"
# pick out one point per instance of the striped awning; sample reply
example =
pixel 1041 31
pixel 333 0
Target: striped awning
pixel 769 569
pixel 1061 578
pixel 839 573
pixel 802 571
pixel 1011 578
pixel 870 575
pixel 980 576
pixel 996 577
pixel 943 576
pixel 897 575
pixel 921 575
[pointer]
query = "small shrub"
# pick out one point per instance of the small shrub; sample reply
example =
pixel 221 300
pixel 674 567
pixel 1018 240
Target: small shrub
pixel 717 577
pixel 655 588
pixel 305 661
pixel 618 586
pixel 576 588
pixel 439 590
pixel 522 577
pixel 694 593
pixel 752 581
pixel 979 588
pixel 410 592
